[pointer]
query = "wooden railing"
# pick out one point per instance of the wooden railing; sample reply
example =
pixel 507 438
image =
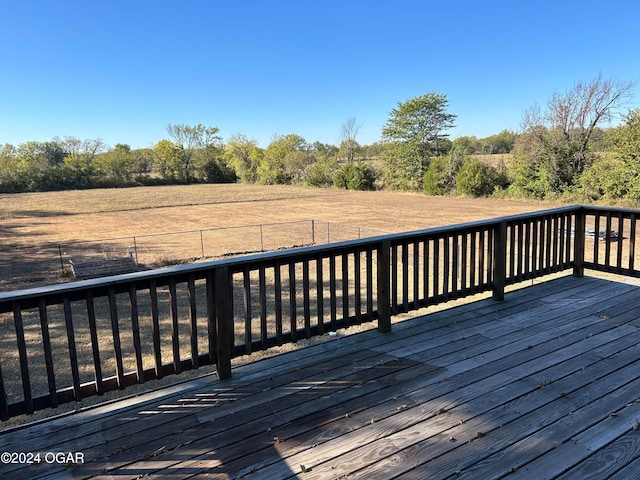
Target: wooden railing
pixel 65 342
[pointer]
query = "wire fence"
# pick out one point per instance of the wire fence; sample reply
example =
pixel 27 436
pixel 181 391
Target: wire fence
pixel 22 266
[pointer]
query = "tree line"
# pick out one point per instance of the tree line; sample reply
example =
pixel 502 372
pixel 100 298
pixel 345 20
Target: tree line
pixel 562 151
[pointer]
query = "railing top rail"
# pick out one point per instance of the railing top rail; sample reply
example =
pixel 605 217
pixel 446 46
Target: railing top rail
pixel 597 208
pixel 262 258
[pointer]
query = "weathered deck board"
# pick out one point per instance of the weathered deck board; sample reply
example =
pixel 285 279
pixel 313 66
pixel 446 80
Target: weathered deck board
pixel 543 382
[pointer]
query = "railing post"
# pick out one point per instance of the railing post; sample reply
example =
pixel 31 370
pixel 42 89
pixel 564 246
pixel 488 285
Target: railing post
pixel 499 260
pixel 223 299
pixel 578 243
pixel 384 281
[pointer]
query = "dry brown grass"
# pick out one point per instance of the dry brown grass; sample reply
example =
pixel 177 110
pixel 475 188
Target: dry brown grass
pixel 32 225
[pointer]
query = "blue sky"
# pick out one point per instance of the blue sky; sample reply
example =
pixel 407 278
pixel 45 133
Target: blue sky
pixel 123 70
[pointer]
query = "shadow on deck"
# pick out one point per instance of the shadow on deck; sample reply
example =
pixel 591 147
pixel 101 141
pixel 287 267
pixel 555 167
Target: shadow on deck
pixel 546 382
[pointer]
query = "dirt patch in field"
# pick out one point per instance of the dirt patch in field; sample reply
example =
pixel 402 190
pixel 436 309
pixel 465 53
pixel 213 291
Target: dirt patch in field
pixel 29 237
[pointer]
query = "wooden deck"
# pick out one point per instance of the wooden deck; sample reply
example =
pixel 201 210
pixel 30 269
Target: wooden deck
pixel 543 385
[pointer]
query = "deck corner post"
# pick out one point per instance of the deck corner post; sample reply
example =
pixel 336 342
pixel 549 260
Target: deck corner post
pixel 223 300
pixel 499 260
pixel 384 286
pixel 578 243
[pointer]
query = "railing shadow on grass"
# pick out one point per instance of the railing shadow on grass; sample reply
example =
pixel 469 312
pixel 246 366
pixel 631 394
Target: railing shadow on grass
pixel 63 343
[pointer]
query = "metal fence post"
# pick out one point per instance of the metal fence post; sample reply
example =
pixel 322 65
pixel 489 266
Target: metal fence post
pixel 61 262
pixel 135 248
pixel 261 240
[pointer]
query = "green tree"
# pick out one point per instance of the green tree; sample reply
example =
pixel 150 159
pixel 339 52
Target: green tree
pixel 198 145
pixel 469 145
pixel 616 175
pixel 562 133
pixel 117 166
pixel 285 160
pixel 244 156
pixel 79 168
pixel 320 172
pixel 168 161
pixel 11 177
pixel 415 131
pixel 502 142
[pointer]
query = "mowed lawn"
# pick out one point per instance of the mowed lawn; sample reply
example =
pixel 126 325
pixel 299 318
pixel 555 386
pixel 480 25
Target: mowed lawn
pixel 33 224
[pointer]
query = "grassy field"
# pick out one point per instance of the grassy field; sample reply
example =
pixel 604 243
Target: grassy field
pixel 34 225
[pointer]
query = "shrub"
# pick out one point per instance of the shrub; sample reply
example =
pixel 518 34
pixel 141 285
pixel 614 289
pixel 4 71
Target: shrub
pixel 435 180
pixel 475 179
pixel 358 176
pixel 608 178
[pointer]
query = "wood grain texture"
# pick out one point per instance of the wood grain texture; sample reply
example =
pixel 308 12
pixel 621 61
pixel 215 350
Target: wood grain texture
pixel 541 385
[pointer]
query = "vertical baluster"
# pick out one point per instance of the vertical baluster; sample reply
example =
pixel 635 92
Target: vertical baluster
pixel 277 284
pixel 561 241
pixel 512 232
pixel 73 353
pixel 405 276
pixel 596 239
pixel 394 278
pixel 416 274
pixel 332 291
pixel 425 273
pixel 292 302
pixel 553 220
pixel 619 242
pixel 455 262
pixel 607 243
pixel 95 345
pixel 569 227
pixel 535 246
pixel 115 332
pixel 248 335
pixel 527 249
pixel 135 327
pixel 520 252
pixel 357 281
pixel 262 282
pixel 4 401
pixel 48 356
pixel 483 274
pixel 436 268
pixel 464 284
pixel 320 294
pixel 369 283
pixel 175 332
pixel 155 328
pixel 22 353
pixel 193 317
pixel 549 243
pixel 345 287
pixel 472 262
pixel 632 242
pixel 446 267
